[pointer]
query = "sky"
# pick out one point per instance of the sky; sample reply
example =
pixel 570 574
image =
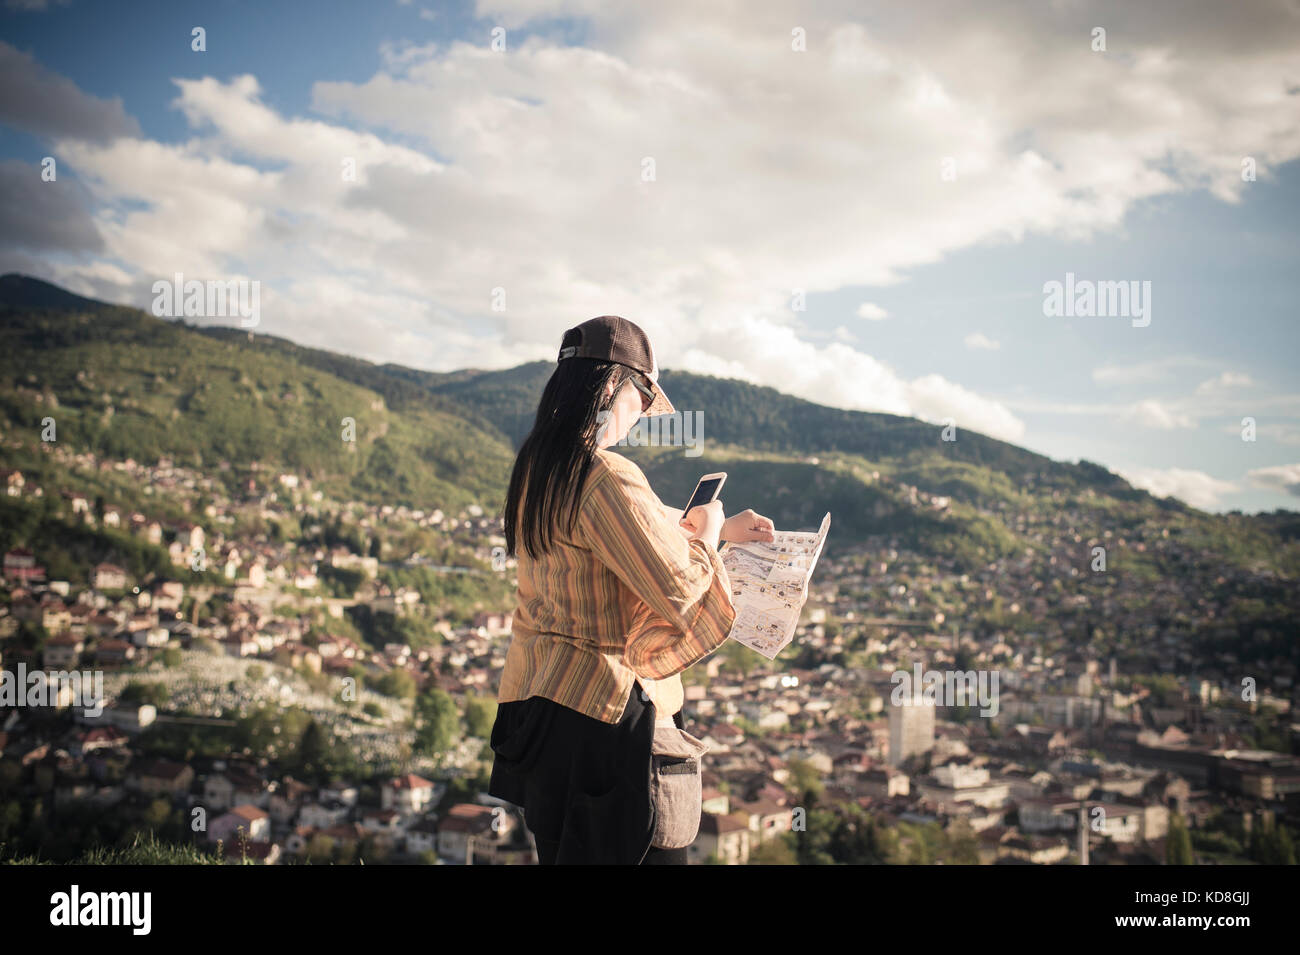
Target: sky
pixel 862 205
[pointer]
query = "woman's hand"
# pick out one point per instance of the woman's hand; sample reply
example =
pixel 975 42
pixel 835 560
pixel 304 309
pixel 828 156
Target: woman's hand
pixel 676 514
pixel 747 526
pixel 705 523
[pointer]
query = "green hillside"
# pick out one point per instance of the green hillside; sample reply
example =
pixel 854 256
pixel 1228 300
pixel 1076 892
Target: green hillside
pixel 122 383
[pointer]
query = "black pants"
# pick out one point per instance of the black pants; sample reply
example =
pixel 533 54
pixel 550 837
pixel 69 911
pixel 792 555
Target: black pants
pixel 584 784
pixel 547 850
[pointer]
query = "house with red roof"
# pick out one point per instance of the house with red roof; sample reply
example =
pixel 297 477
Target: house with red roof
pixel 255 823
pixel 408 794
pixel 725 837
pixel 105 738
pixel 472 831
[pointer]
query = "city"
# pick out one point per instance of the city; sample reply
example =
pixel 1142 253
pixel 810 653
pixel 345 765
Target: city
pixel 1162 767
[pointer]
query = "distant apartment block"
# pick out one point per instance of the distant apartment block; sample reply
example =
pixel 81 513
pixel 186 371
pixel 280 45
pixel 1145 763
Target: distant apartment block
pixel 911 731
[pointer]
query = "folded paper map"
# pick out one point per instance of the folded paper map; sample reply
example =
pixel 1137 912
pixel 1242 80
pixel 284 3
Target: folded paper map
pixel 769 584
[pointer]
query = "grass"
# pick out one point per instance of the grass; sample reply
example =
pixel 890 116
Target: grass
pixel 145 849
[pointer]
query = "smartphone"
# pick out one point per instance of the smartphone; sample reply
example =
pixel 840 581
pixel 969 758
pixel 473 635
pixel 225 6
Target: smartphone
pixel 706 491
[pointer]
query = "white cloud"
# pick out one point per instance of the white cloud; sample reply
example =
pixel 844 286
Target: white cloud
pixel 1280 477
pixel 244 124
pixel 34 5
pixel 1224 382
pixel 935 398
pixel 523 172
pixel 1194 487
pixel 980 340
pixel 763 351
pixel 1273 430
pixel 1160 369
pixel 1152 414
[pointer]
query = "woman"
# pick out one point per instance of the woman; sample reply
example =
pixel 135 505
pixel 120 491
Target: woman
pixel 618 594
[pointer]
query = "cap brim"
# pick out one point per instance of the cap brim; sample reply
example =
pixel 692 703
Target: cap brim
pixel 661 404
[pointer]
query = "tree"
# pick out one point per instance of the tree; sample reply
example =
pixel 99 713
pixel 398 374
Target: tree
pixel 312 748
pixel 737 656
pixel 813 845
pixel 480 714
pixel 438 722
pixel 320 848
pixel 779 850
pixel 1271 844
pixel 1178 843
pixel 11 819
pixel 963 845
pixel 152 693
pixel 806 780
pixel 396 683
pixel 157 814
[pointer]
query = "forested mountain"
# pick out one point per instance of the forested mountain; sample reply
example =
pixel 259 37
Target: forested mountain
pixel 121 383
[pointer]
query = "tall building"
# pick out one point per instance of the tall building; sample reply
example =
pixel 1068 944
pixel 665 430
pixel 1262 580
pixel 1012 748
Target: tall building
pixel 1083 833
pixel 911 730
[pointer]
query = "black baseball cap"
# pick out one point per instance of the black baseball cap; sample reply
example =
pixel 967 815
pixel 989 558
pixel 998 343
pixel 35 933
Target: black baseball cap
pixel 612 338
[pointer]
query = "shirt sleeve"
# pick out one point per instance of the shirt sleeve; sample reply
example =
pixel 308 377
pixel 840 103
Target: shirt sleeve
pixel 685 610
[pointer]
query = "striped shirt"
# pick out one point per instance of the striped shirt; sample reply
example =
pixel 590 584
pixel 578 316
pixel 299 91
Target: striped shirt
pixel 623 597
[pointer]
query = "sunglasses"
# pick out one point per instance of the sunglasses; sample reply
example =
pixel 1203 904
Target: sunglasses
pixel 647 394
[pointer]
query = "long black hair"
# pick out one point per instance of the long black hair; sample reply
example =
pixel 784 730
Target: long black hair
pixel 554 460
